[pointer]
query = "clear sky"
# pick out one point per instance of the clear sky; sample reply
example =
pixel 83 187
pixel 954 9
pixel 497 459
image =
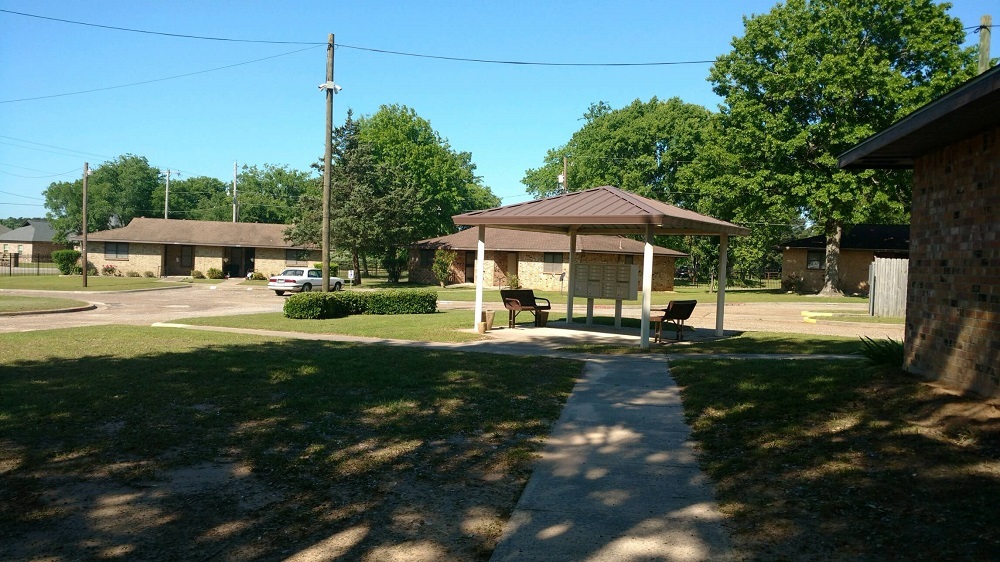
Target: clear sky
pixel 271 111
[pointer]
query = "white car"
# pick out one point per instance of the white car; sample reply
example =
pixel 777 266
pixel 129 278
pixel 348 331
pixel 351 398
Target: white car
pixel 304 279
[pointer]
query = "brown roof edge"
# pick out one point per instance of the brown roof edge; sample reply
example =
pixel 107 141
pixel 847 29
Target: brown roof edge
pixel 964 94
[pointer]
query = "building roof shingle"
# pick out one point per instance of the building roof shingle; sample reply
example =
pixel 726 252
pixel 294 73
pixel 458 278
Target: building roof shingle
pixel 878 237
pixel 34 231
pixel 197 233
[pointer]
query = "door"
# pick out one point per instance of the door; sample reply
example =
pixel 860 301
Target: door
pixel 470 267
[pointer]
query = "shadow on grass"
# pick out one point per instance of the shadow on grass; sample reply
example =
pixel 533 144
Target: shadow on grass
pixel 156 443
pixel 829 461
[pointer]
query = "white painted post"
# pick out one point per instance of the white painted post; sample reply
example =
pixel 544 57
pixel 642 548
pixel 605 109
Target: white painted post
pixel 570 274
pixel 720 302
pixel 480 260
pixel 647 287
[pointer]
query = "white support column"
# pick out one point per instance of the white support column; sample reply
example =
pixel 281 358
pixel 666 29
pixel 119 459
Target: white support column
pixel 480 261
pixel 590 311
pixel 720 302
pixel 647 287
pixel 618 313
pixel 570 274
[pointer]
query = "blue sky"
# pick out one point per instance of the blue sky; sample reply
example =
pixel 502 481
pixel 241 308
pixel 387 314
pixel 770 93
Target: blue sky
pixel 271 111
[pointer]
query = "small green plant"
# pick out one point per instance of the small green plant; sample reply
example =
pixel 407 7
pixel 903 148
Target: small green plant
pixel 215 273
pixel 132 274
pixel 148 274
pixel 884 354
pixel 441 266
pixel 197 274
pixel 334 268
pixel 109 270
pixel 66 260
pixel 258 276
pixel 513 282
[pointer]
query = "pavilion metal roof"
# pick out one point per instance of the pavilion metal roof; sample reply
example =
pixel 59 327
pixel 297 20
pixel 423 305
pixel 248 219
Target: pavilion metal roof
pixel 600 210
pixel 506 240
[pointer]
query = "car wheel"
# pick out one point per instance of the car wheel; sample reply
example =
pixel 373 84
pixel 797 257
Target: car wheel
pixel 338 287
pixel 306 288
pixel 279 293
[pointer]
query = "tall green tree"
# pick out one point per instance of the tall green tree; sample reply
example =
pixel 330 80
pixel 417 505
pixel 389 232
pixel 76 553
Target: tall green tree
pixel 197 198
pixel 269 194
pixel 117 191
pixel 639 148
pixel 810 79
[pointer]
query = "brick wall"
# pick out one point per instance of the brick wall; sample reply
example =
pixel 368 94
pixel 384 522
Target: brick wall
pixel 953 301
pixel 853 271
pixel 141 258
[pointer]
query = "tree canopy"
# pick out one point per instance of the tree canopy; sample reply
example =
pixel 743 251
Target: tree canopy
pixel 807 81
pixel 639 148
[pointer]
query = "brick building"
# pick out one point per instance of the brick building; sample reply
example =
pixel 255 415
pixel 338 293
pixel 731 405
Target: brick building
pixel 537 258
pixel 803 261
pixel 177 247
pixel 32 242
pixel 953 297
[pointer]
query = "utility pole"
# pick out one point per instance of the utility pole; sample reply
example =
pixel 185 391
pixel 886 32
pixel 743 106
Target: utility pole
pixel 234 190
pixel 86 173
pixel 330 89
pixel 565 180
pixel 166 196
pixel 985 29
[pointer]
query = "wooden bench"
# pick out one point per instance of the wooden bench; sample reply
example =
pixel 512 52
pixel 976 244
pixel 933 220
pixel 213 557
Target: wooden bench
pixel 517 301
pixel 675 313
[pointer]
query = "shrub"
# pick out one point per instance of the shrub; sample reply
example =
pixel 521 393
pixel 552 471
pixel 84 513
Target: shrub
pixel 258 276
pixel 334 268
pixel 149 274
pixel 395 263
pixel 132 274
pixel 884 354
pixel 197 274
pixel 314 306
pixel 109 270
pixel 215 273
pixel 513 282
pixel 441 266
pixel 66 261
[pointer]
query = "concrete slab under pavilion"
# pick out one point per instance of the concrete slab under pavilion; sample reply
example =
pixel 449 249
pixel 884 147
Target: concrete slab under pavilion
pixel 604 210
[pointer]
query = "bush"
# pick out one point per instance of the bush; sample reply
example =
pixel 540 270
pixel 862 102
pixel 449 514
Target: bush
pixel 315 306
pixel 66 261
pixel 215 273
pixel 334 268
pixel 91 269
pixel 197 274
pixel 149 274
pixel 258 276
pixel 441 266
pixel 885 354
pixel 513 282
pixel 132 274
pixel 109 270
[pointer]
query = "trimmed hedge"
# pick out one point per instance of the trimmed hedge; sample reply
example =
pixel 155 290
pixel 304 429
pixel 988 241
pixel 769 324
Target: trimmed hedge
pixel 66 260
pixel 316 306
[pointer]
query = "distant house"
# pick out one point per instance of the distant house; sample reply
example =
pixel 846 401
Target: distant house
pixel 169 247
pixel 538 259
pixel 3 229
pixel 33 241
pixel 953 294
pixel 803 261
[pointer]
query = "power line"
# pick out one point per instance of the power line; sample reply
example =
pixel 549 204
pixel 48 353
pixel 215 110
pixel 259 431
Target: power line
pixel 358 48
pixel 155 79
pixel 24 196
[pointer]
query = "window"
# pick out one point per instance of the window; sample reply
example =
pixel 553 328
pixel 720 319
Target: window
pixel 6 248
pixel 297 257
pixel 426 258
pixel 553 263
pixel 314 273
pixel 815 259
pixel 187 256
pixel 20 248
pixel 116 250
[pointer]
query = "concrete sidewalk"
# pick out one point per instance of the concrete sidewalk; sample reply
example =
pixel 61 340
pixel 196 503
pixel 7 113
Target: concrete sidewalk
pixel 618 479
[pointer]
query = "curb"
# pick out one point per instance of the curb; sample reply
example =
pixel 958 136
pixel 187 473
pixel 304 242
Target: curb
pixel 50 311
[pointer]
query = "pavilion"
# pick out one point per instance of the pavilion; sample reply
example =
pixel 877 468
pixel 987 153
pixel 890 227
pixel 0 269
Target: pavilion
pixel 604 210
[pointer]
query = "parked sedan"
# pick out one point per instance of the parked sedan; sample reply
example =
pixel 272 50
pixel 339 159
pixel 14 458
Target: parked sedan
pixel 296 279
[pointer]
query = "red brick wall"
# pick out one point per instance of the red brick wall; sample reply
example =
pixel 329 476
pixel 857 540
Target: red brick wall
pixel 953 301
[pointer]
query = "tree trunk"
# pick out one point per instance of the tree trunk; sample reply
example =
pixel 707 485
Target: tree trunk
pixel 356 264
pixel 831 279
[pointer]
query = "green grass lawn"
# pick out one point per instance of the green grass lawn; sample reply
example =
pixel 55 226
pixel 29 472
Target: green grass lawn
pixel 75 283
pixel 824 460
pixel 441 326
pixel 12 303
pixel 410 444
pixel 747 342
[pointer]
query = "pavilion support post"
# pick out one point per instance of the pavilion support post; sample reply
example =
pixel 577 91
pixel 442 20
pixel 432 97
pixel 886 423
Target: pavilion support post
pixel 480 261
pixel 570 274
pixel 720 302
pixel 647 287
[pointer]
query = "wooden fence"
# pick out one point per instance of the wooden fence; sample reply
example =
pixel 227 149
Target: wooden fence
pixel 887 287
